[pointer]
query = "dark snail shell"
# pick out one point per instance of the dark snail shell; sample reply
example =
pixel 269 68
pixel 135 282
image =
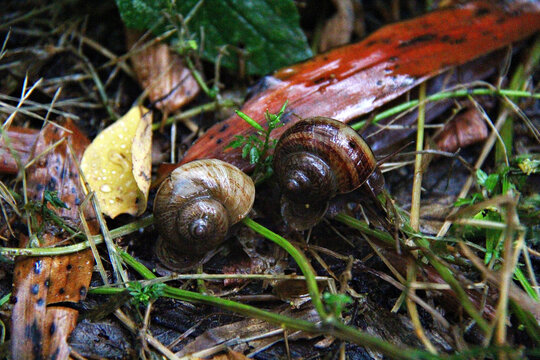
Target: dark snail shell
pixel 315 160
pixel 194 208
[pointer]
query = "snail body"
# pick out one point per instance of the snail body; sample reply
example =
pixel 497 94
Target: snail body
pixel 194 208
pixel 317 159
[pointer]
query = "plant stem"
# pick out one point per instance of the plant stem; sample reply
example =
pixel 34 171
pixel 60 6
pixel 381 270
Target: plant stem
pixel 449 278
pixel 62 250
pixel 331 326
pixel 517 83
pixel 445 273
pixel 300 259
pixel 417 180
pixel 5 299
pixel 263 154
pixel 198 78
pixel 446 95
pixel 364 227
pixel 195 111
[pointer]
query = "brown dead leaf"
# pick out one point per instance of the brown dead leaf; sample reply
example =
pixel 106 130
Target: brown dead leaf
pixel 248 331
pixel 465 129
pixel 163 75
pixel 338 30
pixel 118 163
pixel 40 321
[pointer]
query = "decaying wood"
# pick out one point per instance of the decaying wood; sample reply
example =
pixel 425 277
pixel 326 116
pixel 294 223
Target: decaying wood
pixel 42 286
pixel 354 80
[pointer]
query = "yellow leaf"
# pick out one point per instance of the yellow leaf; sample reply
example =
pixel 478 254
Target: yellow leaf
pixel 117 165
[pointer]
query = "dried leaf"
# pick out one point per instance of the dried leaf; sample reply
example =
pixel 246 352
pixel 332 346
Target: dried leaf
pixel 465 129
pixel 40 323
pixel 163 75
pixel 257 333
pixel 117 164
pixel 338 30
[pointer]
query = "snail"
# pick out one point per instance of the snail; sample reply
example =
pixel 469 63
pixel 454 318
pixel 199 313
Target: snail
pixel 317 159
pixel 194 208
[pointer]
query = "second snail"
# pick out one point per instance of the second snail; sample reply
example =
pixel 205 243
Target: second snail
pixel 317 159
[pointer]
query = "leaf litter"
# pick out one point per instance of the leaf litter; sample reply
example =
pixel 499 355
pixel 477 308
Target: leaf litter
pixel 357 282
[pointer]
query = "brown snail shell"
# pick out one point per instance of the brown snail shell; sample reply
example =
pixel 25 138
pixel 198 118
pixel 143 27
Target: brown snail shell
pixel 194 208
pixel 317 159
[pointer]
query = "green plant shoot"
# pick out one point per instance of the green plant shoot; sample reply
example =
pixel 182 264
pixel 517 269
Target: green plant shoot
pixel 335 303
pixel 255 147
pixel 142 295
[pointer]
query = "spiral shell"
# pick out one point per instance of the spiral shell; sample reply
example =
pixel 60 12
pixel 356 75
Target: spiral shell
pixel 315 160
pixel 194 208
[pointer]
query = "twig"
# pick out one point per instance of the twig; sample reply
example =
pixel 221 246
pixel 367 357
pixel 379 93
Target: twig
pixel 195 111
pixel 417 180
pixel 151 340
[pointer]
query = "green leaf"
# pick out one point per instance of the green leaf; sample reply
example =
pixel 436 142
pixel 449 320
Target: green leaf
pixel 491 182
pixel 254 155
pixel 246 150
pixel 142 295
pixel 249 120
pixel 469 201
pixel 481 177
pixel 257 141
pixel 266 32
pixel 337 301
pixel 142 14
pixel 52 198
pixel 240 140
pixel 518 275
pixel 463 201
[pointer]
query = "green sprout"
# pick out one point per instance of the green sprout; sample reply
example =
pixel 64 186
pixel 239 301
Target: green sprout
pixel 45 212
pixel 255 147
pixel 336 302
pixel 506 180
pixel 51 197
pixel 142 295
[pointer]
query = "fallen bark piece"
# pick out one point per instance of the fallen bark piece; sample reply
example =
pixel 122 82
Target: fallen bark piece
pixel 41 322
